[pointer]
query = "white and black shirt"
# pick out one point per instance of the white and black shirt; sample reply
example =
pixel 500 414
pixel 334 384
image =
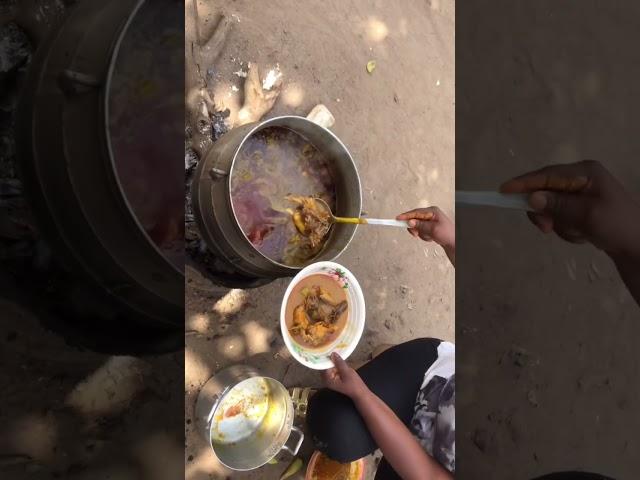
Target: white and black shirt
pixel 434 417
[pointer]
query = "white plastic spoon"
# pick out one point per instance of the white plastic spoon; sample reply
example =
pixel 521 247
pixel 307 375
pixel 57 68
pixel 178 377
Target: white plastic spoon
pixel 361 220
pixel 516 201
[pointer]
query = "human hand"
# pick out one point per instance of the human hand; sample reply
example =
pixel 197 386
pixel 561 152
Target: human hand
pixel 344 379
pixel 431 224
pixel 581 202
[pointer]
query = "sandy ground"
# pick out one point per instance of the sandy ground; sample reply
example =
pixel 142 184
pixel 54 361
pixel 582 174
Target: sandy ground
pixel 548 322
pixel 398 123
pixel 71 414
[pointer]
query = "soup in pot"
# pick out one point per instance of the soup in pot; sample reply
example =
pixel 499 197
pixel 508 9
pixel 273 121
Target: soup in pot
pixel 274 167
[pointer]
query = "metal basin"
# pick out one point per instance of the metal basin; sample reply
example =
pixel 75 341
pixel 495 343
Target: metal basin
pixel 246 418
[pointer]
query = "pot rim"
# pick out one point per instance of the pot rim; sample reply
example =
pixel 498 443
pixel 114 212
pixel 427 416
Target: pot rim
pixel 106 96
pixel 259 126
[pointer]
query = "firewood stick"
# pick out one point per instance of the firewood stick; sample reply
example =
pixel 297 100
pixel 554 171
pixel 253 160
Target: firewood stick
pixel 211 48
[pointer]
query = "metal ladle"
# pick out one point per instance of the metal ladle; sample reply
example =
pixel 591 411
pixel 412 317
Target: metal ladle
pixel 360 221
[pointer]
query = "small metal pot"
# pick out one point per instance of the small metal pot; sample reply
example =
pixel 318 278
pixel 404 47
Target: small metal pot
pixel 242 448
pixel 213 209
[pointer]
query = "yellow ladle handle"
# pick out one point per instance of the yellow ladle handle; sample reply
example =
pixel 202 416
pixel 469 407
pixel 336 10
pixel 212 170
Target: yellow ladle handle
pixel 358 221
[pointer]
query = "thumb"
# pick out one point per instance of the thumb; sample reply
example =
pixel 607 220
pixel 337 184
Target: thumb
pixel 570 208
pixel 339 363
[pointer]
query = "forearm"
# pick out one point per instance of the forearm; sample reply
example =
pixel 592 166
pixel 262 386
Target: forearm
pixel 450 250
pixel 398 445
pixel 628 266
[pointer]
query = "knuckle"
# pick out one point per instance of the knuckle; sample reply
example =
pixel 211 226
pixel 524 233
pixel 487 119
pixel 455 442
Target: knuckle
pixel 593 167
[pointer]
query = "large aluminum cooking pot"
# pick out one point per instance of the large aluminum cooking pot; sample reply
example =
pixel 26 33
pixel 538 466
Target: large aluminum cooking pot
pixel 128 289
pixel 246 418
pixel 213 209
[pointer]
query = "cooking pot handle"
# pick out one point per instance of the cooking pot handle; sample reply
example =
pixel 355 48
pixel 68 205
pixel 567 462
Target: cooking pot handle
pixel 73 82
pixel 294 451
pixel 216 171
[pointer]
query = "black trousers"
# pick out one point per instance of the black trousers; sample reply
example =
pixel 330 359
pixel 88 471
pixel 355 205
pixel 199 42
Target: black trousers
pixel 395 376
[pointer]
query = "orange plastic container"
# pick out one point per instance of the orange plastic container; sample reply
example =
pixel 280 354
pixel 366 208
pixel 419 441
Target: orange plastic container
pixel 356 469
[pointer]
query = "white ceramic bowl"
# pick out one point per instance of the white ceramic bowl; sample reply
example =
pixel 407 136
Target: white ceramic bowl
pixel 346 342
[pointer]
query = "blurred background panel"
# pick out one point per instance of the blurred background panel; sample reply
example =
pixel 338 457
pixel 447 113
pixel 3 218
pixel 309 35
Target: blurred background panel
pixel 91 239
pixel 548 373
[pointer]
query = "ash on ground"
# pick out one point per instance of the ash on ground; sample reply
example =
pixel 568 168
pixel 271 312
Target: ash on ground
pixel 18 240
pixel 15 55
pixel 196 248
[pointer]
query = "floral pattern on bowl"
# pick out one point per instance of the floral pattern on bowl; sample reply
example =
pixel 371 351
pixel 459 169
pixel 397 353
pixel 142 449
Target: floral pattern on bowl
pixel 338 275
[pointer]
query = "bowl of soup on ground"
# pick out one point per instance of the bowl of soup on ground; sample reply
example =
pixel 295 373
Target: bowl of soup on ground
pixel 322 311
pixel 322 467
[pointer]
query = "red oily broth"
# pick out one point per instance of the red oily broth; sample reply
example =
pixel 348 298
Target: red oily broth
pixel 337 292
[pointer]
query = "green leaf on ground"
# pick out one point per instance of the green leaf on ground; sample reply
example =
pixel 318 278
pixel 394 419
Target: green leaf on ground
pixel 371 66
